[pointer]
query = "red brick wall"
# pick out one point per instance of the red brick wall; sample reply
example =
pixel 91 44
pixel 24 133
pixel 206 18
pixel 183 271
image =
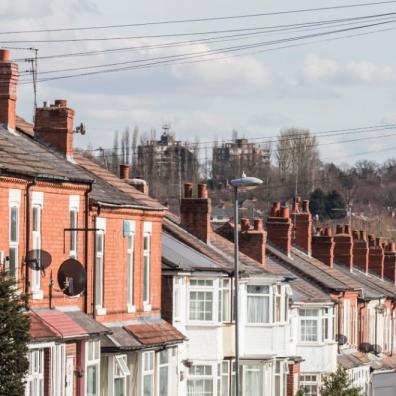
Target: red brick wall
pixel 9 77
pixel 292 379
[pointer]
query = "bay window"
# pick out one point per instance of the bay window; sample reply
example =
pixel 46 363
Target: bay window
pixel 148 373
pixel 120 374
pixel 253 380
pixel 35 377
pixel 92 370
pixel 315 324
pixel 201 296
pixel 258 303
pixel 200 381
pixel 281 371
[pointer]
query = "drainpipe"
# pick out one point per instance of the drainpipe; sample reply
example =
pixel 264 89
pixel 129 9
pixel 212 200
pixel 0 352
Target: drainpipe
pixel 27 232
pixel 360 323
pixel 376 324
pixel 86 225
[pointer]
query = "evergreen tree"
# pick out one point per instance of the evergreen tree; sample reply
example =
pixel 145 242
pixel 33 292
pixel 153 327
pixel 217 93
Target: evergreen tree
pixel 317 203
pixel 335 201
pixel 338 384
pixel 14 335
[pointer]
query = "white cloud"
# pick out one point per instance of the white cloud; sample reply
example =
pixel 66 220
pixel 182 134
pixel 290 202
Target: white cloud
pixel 368 72
pixel 316 68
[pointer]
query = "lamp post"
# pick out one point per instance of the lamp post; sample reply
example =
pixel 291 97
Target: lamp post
pixel 245 183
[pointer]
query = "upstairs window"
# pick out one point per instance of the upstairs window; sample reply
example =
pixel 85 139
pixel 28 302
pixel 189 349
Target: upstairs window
pixel 258 303
pixel 309 325
pixel 129 235
pixel 225 300
pixel 146 262
pixel 36 246
pixel 201 296
pixel 73 232
pixel 13 256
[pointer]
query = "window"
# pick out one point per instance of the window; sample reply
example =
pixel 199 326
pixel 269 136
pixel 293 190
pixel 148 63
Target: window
pixel 163 380
pixel 73 232
pixel 146 267
pixel 309 383
pixel 253 380
pixel 281 371
pixel 130 267
pixel 258 302
pixel 120 373
pixel 200 381
pixel 14 240
pixel 36 246
pixel 35 377
pixel 99 269
pixel 177 301
pixel 309 325
pixel 58 370
pixel 223 378
pixel 148 373
pixel 201 300
pixel 224 301
pixel 277 303
pixel 93 364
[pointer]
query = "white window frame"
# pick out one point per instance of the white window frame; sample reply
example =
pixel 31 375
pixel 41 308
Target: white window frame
pixel 130 264
pixel 163 365
pixel 14 204
pixel 147 233
pixel 58 370
pixel 307 381
pixel 255 368
pixel 74 207
pixel 206 286
pixel 223 378
pixel 119 371
pixel 177 299
pixel 99 265
pixel 264 295
pixel 303 338
pixel 207 376
pixel 35 376
pixel 37 206
pixel 225 305
pixel 148 371
pixel 281 371
pixel 92 353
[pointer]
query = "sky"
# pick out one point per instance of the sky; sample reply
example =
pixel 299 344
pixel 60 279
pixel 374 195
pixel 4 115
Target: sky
pixel 322 86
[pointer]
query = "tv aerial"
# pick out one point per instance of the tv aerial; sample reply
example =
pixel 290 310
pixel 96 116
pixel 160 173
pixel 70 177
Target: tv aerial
pixel 80 129
pixel 72 277
pixel 38 259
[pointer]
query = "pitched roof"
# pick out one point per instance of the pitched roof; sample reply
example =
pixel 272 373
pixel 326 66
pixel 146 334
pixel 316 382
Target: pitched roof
pixel 21 154
pixel 110 189
pixel 40 331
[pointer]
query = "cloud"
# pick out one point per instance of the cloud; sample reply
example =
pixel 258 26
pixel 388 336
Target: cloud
pixel 371 73
pixel 319 69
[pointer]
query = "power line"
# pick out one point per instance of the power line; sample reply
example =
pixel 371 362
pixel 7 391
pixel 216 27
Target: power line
pixel 230 17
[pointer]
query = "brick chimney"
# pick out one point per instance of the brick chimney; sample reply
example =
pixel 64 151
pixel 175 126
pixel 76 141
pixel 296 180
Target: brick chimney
pixel 252 240
pixel 376 257
pixel 343 246
pixel 124 171
pixel 390 262
pixel 9 78
pixel 54 126
pixel 302 221
pixel 323 246
pixel 360 250
pixel 195 212
pixel 279 227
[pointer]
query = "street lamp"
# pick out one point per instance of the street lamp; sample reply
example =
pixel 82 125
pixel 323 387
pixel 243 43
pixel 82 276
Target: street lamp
pixel 246 183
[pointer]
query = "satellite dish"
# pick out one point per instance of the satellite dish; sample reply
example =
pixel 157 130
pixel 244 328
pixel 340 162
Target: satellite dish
pixel 366 347
pixel 341 339
pixel 38 259
pixel 72 277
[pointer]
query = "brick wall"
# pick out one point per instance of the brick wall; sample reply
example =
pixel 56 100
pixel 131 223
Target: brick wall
pixel 292 378
pixel 167 298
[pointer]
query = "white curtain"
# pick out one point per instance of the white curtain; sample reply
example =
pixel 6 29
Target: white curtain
pixel 258 309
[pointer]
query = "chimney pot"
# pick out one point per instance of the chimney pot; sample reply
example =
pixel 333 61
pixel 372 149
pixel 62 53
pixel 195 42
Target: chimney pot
pixel 284 212
pixel 258 224
pixel 347 229
pixel 188 189
pixel 378 242
pixel 355 234
pixel 124 171
pixel 61 103
pixel 275 209
pixel 327 232
pixel 4 55
pixel 339 229
pixel 245 224
pixel 202 191
pixel 363 235
pixel 391 247
pixel 305 206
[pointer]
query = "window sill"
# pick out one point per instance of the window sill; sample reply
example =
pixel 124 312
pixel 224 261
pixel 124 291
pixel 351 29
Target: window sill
pixel 100 311
pixel 37 294
pixel 131 309
pixel 146 307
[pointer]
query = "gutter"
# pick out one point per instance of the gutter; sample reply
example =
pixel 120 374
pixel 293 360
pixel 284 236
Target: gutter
pixel 120 206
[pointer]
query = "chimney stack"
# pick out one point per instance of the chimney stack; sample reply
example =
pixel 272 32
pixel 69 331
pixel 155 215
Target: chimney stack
pixel 360 250
pixel 195 212
pixel 302 219
pixel 124 171
pixel 54 127
pixel 9 78
pixel 376 257
pixel 323 246
pixel 390 262
pixel 343 246
pixel 279 227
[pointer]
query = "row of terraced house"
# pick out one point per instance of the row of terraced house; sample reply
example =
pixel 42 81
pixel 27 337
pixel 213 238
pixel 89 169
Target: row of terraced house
pixel 129 299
